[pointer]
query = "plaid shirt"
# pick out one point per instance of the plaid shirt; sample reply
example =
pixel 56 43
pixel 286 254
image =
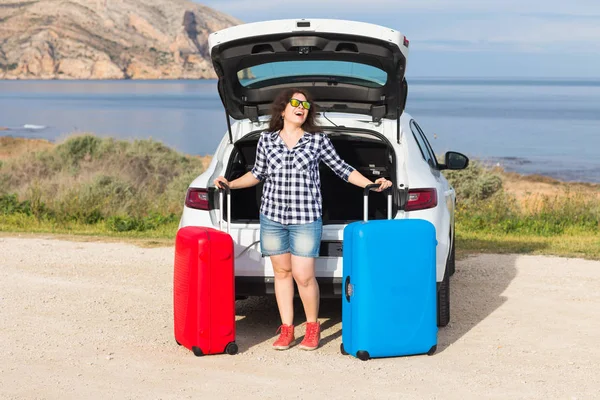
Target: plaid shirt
pixel 292 190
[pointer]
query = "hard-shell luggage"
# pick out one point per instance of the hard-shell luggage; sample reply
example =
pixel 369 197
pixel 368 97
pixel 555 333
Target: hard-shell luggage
pixel 389 294
pixel 204 289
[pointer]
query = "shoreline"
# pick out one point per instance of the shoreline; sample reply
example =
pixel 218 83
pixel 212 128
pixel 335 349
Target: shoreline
pixel 471 123
pixel 15 145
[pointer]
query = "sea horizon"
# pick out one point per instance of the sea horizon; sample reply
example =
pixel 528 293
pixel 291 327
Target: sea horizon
pixel 526 125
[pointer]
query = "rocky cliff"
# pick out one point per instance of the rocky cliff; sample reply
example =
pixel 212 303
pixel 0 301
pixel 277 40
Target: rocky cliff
pixel 107 39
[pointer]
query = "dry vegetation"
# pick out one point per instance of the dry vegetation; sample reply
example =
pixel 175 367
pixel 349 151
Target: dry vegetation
pixel 523 187
pixel 93 186
pixel 15 147
pixel 127 186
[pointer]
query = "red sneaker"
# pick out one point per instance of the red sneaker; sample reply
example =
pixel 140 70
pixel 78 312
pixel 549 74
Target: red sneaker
pixel 285 338
pixel 311 337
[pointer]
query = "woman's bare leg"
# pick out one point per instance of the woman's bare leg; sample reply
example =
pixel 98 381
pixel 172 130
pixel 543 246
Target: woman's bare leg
pixel 284 287
pixel 303 271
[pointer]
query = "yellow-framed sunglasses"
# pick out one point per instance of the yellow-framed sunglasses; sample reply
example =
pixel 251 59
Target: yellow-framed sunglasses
pixel 296 103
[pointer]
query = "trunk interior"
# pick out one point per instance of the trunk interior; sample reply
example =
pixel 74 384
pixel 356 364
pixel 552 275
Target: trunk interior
pixel 342 201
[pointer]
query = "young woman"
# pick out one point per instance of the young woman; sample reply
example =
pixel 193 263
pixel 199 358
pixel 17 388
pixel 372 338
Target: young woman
pixel 287 159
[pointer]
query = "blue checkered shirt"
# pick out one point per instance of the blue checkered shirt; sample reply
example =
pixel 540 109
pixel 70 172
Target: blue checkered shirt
pixel 292 189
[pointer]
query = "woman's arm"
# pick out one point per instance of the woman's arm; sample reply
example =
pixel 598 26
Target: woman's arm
pixel 358 179
pixel 250 178
pixel 345 171
pixel 244 181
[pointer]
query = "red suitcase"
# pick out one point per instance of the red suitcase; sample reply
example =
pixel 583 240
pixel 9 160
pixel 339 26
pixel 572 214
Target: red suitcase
pixel 204 289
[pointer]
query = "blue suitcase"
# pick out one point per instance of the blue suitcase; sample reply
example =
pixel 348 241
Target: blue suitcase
pixel 389 294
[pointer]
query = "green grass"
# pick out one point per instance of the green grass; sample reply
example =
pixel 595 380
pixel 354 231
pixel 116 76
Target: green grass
pixel 502 214
pixel 23 223
pixel 490 219
pixel 566 245
pixel 89 186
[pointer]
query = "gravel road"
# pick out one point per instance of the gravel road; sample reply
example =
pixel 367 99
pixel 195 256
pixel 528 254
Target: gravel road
pixel 94 320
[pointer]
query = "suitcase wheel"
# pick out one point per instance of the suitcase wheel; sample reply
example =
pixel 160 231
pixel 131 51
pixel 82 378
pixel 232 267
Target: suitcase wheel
pixel 344 352
pixel 231 348
pixel 432 350
pixel 363 355
pixel 197 351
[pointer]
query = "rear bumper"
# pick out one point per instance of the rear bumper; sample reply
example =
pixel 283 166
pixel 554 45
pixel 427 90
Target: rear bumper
pixel 262 286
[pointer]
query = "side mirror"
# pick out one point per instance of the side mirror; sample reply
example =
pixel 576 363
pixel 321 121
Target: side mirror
pixel 454 160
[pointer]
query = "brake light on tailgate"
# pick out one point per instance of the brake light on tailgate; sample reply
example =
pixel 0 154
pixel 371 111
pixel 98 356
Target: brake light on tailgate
pixel 197 198
pixel 421 199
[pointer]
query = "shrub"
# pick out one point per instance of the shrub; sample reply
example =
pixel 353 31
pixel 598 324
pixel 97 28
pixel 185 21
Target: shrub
pixel 10 204
pixel 474 182
pixel 78 148
pixel 124 223
pixel 87 179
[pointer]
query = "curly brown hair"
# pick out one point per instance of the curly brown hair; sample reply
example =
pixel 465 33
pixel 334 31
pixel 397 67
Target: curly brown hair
pixel 279 104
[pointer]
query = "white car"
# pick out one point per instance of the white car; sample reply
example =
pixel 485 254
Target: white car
pixel 355 74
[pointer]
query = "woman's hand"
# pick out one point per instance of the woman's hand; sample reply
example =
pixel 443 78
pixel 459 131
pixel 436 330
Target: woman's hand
pixel 221 179
pixel 383 184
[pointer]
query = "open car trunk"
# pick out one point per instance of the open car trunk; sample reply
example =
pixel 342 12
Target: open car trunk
pixel 368 152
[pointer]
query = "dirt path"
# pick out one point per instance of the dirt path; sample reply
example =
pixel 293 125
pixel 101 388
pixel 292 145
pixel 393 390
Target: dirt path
pixel 94 320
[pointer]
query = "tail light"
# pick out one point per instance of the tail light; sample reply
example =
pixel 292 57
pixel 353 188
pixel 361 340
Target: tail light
pixel 421 199
pixel 197 198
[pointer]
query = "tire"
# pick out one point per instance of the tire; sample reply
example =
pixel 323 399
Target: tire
pixel 443 302
pixel 363 355
pixel 231 349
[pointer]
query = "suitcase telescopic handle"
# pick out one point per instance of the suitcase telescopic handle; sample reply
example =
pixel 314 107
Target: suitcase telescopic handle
pixel 224 188
pixel 366 191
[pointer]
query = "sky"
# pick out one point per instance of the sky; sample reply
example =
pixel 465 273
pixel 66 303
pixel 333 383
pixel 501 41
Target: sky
pixel 464 38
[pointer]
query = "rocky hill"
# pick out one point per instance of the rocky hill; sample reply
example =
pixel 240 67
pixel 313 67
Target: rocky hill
pixel 107 39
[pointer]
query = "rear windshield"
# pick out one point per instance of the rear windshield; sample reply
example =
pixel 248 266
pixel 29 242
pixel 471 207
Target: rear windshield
pixel 340 71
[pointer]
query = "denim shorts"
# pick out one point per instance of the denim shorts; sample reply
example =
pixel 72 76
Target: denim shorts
pixel 302 240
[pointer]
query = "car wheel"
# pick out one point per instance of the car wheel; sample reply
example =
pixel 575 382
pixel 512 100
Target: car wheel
pixel 443 302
